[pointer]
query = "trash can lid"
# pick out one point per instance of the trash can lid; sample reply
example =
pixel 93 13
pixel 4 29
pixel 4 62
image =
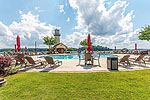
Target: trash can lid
pixel 112 58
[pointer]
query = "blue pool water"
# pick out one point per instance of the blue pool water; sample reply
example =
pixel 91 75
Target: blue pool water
pixel 75 56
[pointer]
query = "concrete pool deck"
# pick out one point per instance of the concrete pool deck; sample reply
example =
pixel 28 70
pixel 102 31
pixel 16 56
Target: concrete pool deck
pixel 71 66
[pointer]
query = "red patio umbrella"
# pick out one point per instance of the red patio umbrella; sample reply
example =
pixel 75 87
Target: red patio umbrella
pixel 51 48
pixel 135 46
pixel 18 43
pixel 79 49
pixel 15 48
pixel 89 43
pixel 25 49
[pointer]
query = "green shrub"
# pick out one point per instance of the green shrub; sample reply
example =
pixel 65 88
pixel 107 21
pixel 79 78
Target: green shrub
pixel 50 49
pixel 11 70
pixel 69 49
pixel 9 52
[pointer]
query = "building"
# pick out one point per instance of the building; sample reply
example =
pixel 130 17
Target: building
pixel 59 47
pixel 57 36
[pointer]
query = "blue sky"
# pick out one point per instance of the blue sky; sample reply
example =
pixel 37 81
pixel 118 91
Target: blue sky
pixel 50 13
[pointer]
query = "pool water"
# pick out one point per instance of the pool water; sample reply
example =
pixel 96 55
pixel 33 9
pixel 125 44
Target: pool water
pixel 75 56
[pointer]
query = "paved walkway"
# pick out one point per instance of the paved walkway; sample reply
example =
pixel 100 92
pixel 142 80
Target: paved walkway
pixel 71 66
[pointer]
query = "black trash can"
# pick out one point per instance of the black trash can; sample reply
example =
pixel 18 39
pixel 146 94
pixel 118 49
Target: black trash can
pixel 112 63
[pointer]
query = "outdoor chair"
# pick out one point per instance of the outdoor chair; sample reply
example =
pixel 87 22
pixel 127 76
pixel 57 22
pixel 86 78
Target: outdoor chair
pixel 147 60
pixel 96 58
pixel 32 62
pixel 50 61
pixel 26 53
pixel 81 57
pixel 88 58
pixel 31 54
pixel 21 55
pixel 19 60
pixel 125 59
pixel 138 60
pixel 135 52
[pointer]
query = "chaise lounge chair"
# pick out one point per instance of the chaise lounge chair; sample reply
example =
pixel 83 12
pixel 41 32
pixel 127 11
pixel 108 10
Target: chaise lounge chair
pixel 32 62
pixel 50 61
pixel 138 60
pixel 20 60
pixel 147 60
pixel 21 56
pixel 125 59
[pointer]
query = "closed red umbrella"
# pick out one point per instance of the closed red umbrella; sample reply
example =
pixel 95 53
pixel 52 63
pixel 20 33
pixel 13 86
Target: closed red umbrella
pixel 79 49
pixel 135 46
pixel 25 49
pixel 51 48
pixel 89 43
pixel 15 48
pixel 18 43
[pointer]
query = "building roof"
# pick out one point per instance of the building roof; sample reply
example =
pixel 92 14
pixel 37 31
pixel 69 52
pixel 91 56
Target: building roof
pixel 59 44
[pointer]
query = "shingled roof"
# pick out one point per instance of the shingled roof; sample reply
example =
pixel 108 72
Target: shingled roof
pixel 59 44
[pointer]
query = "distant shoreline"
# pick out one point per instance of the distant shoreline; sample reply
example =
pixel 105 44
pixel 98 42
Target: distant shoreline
pixel 45 50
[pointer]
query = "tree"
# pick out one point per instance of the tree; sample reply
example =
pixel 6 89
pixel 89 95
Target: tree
pixel 84 42
pixel 49 41
pixel 145 33
pixel 70 49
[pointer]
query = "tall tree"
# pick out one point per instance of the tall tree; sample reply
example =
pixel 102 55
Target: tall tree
pixel 84 43
pixel 145 33
pixel 49 41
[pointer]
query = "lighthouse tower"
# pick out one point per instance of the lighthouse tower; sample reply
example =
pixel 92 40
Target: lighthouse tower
pixel 59 47
pixel 57 35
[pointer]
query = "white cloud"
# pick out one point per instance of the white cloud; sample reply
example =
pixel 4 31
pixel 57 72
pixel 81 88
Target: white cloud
pixel 61 9
pixel 29 29
pixel 108 26
pixel 120 41
pixel 37 8
pixel 4 30
pixel 20 12
pixel 108 2
pixel 66 4
pixel 6 36
pixel 68 19
pixel 74 39
pixel 102 21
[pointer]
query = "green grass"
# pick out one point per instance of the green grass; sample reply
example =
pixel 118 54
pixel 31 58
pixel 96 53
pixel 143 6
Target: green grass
pixel 133 85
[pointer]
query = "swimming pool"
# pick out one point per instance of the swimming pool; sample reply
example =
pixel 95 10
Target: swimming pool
pixel 75 56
